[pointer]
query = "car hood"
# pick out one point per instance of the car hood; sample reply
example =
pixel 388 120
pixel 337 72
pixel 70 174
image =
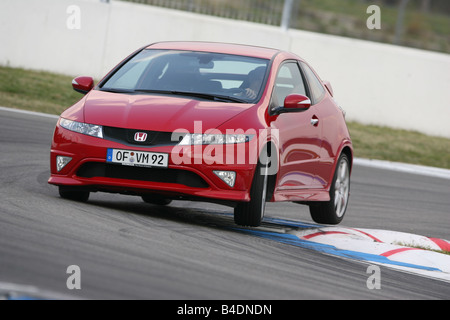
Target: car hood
pixel 157 112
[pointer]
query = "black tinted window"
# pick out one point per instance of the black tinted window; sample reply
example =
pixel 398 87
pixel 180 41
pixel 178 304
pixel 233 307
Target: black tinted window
pixel 316 87
pixel 289 80
pixel 192 72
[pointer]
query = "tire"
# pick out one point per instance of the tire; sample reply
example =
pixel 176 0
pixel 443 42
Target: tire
pixel 333 211
pixel 251 213
pixel 155 199
pixel 73 194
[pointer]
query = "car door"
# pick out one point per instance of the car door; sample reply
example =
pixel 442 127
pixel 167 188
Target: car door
pixel 299 133
pixel 326 111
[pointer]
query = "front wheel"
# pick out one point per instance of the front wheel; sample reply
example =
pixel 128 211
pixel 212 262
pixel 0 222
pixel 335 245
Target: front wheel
pixel 333 211
pixel 73 194
pixel 155 199
pixel 251 213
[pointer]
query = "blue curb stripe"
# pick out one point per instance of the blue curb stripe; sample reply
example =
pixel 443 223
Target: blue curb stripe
pixel 292 224
pixel 329 249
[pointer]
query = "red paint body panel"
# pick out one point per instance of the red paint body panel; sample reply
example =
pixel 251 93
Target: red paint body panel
pixel 160 113
pixel 306 154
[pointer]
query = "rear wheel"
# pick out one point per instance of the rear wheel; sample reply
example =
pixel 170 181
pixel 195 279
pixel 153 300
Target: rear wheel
pixel 251 213
pixel 333 211
pixel 73 194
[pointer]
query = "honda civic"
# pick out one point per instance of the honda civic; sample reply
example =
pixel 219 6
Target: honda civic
pixel 230 124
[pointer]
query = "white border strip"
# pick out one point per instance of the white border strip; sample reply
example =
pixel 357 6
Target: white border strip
pixel 18 291
pixel 404 167
pixel 33 113
pixel 379 164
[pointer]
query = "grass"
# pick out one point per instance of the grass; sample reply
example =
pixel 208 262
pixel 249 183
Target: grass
pixel 424 30
pixel 36 91
pixel 348 18
pixel 375 142
pixel 53 93
pixel 421 247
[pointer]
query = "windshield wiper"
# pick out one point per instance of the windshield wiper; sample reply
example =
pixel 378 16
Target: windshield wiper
pixel 114 90
pixel 214 97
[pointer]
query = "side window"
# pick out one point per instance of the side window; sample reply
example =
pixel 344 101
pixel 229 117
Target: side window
pixel 289 80
pixel 316 87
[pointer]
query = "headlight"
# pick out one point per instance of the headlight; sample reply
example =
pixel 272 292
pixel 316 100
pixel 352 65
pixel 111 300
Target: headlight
pixel 84 128
pixel 197 138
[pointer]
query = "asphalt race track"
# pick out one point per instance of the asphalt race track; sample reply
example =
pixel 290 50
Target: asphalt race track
pixel 127 249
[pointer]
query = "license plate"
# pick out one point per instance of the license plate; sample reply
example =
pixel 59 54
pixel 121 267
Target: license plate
pixel 137 158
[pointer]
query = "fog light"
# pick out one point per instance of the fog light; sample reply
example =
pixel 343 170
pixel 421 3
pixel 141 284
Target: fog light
pixel 229 177
pixel 61 162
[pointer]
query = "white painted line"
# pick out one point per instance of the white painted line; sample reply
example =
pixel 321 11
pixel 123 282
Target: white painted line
pixel 33 113
pixel 404 167
pixel 380 164
pixel 20 291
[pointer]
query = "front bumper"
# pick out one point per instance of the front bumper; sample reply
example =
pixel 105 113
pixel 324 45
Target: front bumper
pixel 192 179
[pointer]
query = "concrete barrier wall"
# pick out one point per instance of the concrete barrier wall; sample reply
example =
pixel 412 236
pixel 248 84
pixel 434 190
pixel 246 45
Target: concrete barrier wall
pixel 375 83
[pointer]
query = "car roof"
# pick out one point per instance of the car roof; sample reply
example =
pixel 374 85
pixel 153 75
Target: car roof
pixel 217 47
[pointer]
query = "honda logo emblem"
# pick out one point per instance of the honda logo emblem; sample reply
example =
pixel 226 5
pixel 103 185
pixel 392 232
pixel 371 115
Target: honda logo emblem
pixel 140 137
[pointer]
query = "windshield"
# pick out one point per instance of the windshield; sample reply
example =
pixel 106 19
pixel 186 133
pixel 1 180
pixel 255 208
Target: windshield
pixel 214 76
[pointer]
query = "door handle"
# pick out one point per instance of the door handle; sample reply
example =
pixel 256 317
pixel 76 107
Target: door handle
pixel 315 121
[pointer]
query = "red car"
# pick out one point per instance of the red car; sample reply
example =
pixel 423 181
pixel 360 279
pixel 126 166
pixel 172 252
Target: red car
pixel 230 124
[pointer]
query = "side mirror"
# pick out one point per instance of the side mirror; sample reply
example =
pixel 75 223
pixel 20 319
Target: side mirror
pixel 296 102
pixel 293 103
pixel 83 84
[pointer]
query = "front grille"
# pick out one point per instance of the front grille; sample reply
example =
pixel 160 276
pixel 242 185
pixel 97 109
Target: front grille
pixel 126 136
pixel 97 169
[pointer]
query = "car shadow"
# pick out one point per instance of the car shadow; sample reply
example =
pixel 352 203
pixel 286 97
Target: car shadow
pixel 192 213
pixel 175 212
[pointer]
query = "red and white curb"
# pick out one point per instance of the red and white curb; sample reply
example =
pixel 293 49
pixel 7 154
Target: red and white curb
pixel 396 246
